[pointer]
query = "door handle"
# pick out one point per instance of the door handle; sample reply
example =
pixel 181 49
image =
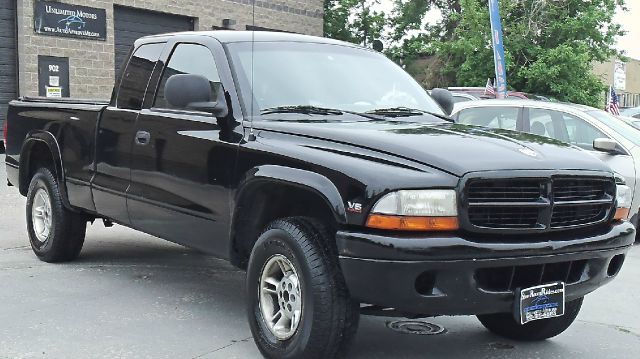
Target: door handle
pixel 142 138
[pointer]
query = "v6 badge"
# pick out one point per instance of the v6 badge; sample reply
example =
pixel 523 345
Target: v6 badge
pixel 354 207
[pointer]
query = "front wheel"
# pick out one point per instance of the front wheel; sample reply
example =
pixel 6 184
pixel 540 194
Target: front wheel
pixel 298 303
pixel 505 325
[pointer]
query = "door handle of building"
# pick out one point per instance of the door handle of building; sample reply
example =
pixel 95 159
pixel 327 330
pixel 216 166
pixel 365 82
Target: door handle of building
pixel 143 138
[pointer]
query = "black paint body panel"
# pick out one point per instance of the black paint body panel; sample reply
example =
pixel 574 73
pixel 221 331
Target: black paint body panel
pixel 456 291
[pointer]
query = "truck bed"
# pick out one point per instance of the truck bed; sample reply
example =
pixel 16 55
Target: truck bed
pixel 73 124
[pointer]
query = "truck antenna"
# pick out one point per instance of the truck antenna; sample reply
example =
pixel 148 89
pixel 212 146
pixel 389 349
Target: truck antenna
pixel 252 136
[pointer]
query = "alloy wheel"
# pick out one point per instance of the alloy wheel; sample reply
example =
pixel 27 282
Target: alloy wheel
pixel 42 215
pixel 280 297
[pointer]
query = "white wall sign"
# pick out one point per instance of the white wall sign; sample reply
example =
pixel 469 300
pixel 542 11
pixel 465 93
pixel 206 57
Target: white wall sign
pixel 54 81
pixel 620 75
pixel 55 92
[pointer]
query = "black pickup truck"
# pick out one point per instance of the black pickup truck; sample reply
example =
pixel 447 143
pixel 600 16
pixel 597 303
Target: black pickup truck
pixel 333 178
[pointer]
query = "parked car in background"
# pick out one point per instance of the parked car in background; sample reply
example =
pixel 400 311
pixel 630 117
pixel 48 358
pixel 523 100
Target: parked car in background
pixel 2 134
pixel 605 136
pixel 464 94
pixel 633 121
pixel 463 97
pixel 631 112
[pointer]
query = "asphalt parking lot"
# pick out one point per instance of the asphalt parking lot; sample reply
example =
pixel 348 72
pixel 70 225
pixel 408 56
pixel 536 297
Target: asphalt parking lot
pixel 130 295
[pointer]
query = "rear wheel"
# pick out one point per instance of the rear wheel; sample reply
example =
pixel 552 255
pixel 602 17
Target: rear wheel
pixel 56 233
pixel 505 325
pixel 298 303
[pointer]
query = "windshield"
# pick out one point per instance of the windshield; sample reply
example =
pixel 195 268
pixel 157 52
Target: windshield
pixel 324 75
pixel 625 130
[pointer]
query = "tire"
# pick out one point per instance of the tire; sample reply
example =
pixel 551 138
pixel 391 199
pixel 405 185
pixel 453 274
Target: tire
pixel 328 317
pixel 63 239
pixel 505 325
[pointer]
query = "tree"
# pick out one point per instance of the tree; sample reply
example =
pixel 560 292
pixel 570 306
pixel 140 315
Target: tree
pixel 550 44
pixel 353 21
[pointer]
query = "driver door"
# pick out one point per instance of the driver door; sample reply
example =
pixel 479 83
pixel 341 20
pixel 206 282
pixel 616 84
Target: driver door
pixel 181 167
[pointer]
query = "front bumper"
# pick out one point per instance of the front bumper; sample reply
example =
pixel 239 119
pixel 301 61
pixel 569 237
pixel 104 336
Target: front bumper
pixel 451 275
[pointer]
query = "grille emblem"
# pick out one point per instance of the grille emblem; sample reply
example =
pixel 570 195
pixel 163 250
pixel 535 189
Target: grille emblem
pixel 529 152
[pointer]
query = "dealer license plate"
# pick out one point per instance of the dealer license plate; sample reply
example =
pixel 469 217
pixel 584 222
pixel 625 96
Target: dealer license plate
pixel 540 302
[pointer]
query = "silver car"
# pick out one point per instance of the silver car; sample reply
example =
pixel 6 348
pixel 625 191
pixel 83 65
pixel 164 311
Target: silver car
pixel 631 112
pixel 605 136
pixel 635 122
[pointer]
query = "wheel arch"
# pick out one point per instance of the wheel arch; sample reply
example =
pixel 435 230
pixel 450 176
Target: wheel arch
pixel 40 148
pixel 270 192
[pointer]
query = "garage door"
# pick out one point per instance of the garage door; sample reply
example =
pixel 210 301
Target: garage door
pixel 7 55
pixel 132 24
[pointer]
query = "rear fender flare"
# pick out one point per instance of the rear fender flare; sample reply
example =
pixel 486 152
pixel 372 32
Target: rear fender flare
pixel 48 139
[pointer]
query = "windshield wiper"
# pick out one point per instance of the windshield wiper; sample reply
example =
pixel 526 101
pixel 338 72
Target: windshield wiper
pixel 304 109
pixel 396 111
pixel 405 112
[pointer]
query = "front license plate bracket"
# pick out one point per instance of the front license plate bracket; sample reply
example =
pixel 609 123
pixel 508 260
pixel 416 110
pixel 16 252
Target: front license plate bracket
pixel 540 302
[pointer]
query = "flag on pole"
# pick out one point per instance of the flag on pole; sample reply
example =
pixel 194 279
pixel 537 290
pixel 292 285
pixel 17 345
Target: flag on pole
pixel 498 50
pixel 614 105
pixel 488 89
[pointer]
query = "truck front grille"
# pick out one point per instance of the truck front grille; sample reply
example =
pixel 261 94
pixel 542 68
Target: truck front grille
pixel 537 204
pixel 578 215
pixel 502 191
pixel 504 217
pixel 577 189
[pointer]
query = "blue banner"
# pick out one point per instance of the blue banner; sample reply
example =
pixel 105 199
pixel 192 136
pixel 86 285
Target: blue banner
pixel 498 50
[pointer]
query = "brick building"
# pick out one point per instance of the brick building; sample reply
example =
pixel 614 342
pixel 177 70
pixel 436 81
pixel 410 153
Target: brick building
pixel 628 89
pixel 75 47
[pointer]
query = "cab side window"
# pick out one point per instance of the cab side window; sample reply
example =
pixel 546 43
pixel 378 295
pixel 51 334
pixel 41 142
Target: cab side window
pixel 188 59
pixel 505 118
pixel 564 127
pixel 581 133
pixel 541 123
pixel 136 76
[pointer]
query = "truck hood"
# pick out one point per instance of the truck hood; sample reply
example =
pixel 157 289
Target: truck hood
pixel 453 148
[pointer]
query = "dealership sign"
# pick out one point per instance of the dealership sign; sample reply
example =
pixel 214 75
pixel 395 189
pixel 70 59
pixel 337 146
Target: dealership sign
pixel 620 75
pixel 57 19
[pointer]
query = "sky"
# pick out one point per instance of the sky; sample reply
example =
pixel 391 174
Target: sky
pixel 630 21
pixel 630 43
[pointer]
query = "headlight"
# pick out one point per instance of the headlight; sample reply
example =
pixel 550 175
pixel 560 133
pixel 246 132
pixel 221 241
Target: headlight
pixel 416 210
pixel 623 201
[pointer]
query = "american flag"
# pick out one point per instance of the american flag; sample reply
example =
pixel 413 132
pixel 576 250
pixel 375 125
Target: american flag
pixel 489 90
pixel 613 106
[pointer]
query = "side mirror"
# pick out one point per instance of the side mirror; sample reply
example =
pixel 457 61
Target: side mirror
pixel 606 145
pixel 444 99
pixel 188 91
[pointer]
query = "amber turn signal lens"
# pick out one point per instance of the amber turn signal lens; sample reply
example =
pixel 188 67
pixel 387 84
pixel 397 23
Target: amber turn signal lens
pixel 621 213
pixel 405 223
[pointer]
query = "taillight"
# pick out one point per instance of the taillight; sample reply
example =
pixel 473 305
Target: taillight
pixel 5 132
